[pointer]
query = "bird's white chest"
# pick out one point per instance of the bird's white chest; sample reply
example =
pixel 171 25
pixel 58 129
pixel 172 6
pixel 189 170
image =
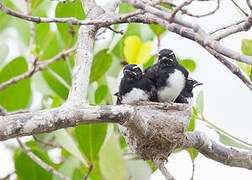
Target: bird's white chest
pixel 175 84
pixel 134 96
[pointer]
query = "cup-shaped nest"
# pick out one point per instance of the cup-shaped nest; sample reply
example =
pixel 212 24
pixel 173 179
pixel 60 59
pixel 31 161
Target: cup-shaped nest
pixel 156 129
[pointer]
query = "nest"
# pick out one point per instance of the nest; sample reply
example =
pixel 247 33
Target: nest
pixel 157 129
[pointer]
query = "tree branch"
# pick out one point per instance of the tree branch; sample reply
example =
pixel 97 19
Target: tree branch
pixel 83 60
pixel 65 116
pixel 246 14
pixel 103 20
pixel 233 68
pixel 164 171
pixel 235 28
pixel 36 68
pixel 212 150
pixel 185 3
pixel 41 163
pixel 202 37
pixel 89 171
pixel 227 26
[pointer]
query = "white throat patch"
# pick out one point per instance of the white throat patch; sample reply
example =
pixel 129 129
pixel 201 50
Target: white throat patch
pixel 176 83
pixel 134 96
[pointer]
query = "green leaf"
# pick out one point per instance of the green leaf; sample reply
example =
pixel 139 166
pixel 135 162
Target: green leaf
pixel 102 62
pixel 188 64
pixel 100 94
pixel 26 168
pixel 68 143
pixel 152 165
pixel 149 63
pixel 125 8
pixel 191 124
pixel 78 174
pixel 241 65
pixel 135 51
pixel 230 142
pixel 123 143
pixel 68 32
pixel 193 153
pixel 56 102
pixel 58 76
pixel 16 96
pixel 138 169
pixel 195 111
pixel 7 19
pixel 247 47
pixel 4 50
pixel 90 138
pixel 200 102
pixel 111 161
pixel 167 6
pixel 35 4
pixel 158 30
pixel 250 76
pixel 67 168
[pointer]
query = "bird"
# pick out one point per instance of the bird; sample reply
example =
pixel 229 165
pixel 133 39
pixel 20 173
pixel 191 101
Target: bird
pixel 168 75
pixel 186 96
pixel 134 87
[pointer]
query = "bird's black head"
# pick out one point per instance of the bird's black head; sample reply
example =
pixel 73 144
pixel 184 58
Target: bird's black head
pixel 166 57
pixel 191 83
pixel 132 72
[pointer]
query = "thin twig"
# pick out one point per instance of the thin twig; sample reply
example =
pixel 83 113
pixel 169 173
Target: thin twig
pixel 227 26
pixel 184 11
pixel 105 21
pixel 40 162
pixel 233 68
pixel 8 176
pixel 246 14
pixel 116 31
pixel 36 68
pixel 193 169
pixel 46 143
pixel 89 171
pixel 185 3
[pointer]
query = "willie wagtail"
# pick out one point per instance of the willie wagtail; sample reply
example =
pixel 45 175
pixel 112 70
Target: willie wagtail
pixel 135 87
pixel 169 76
pixel 186 96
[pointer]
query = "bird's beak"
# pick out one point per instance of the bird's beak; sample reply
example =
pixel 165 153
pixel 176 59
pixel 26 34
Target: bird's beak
pixel 197 84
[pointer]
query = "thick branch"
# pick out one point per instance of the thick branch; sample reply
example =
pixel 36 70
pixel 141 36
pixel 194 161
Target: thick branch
pixel 62 117
pixel 212 150
pixel 83 60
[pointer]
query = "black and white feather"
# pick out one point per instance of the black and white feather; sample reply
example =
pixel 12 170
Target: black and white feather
pixel 186 96
pixel 169 76
pixel 134 87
